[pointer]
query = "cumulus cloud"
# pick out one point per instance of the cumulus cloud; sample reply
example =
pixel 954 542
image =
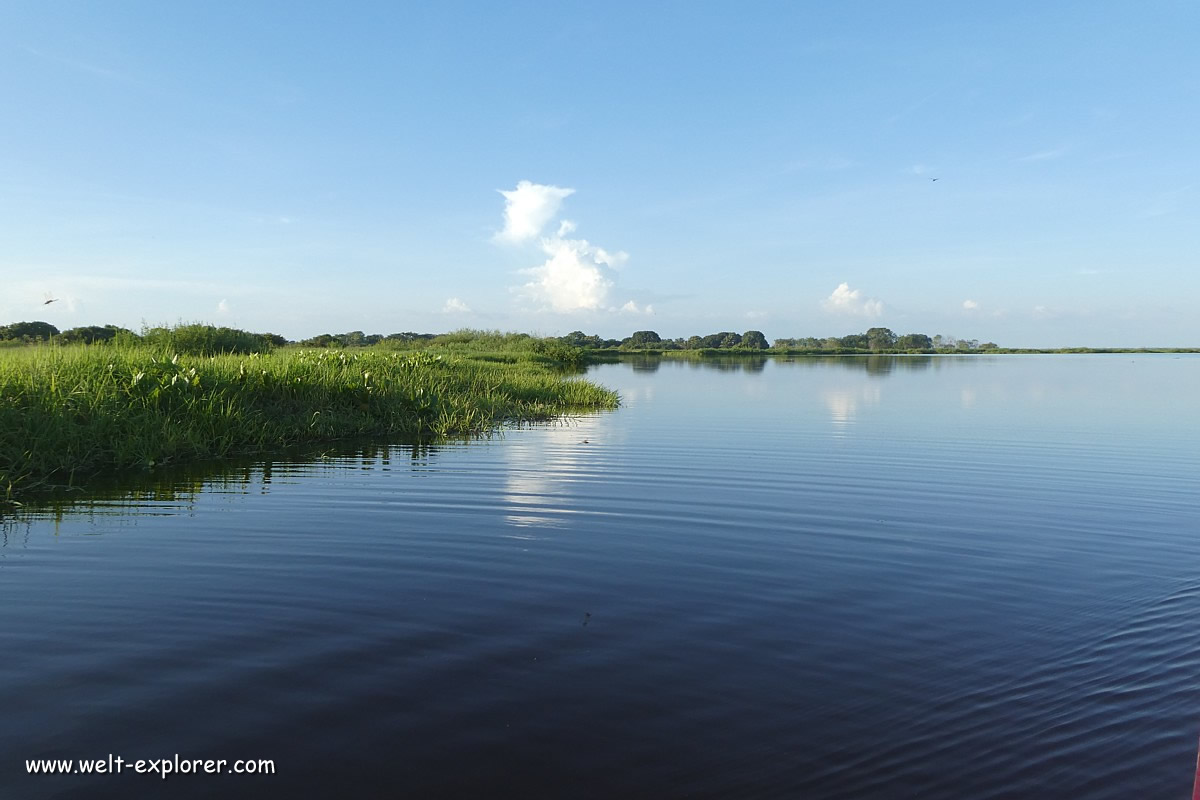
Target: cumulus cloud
pixel 455 306
pixel 576 275
pixel 845 300
pixel 633 308
pixel 528 208
pixel 223 306
pixel 970 305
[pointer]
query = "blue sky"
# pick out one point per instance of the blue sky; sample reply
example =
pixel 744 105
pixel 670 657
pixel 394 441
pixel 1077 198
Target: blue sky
pixel 732 166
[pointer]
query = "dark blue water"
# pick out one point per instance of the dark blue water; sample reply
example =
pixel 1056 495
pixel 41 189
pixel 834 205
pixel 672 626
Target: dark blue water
pixel 854 578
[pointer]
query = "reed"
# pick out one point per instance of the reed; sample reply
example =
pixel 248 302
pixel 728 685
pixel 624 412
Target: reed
pixel 70 413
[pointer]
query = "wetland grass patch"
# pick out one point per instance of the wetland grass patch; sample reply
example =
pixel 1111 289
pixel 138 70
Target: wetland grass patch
pixel 70 413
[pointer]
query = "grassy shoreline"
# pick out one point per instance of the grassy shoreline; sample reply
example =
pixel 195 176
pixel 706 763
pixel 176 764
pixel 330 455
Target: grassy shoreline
pixel 70 413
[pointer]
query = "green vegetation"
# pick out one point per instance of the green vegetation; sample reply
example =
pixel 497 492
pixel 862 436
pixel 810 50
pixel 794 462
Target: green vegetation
pixel 724 340
pixel 360 339
pixel 874 340
pixel 93 334
pixel 205 340
pixel 572 351
pixel 68 413
pixel 27 332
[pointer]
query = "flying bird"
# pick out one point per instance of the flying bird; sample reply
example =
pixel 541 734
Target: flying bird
pixel 50 299
pixel 933 179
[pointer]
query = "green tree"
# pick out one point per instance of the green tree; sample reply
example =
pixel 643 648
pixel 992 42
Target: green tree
pixel 201 339
pixel 90 334
pixel 855 341
pixel 880 339
pixel 407 336
pixel 30 331
pixel 644 339
pixel 914 341
pixel 754 340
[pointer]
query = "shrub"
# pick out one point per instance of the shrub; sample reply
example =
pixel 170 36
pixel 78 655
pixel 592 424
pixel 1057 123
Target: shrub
pixel 207 340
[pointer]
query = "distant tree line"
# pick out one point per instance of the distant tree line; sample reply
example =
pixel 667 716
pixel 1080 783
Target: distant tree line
pixel 360 339
pixel 28 331
pixel 195 338
pixel 650 340
pixel 874 340
pixel 199 338
pixel 32 332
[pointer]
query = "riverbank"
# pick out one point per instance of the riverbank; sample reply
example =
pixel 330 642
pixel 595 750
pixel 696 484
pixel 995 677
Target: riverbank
pixel 71 413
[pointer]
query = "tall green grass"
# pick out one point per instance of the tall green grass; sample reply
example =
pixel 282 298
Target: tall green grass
pixel 497 346
pixel 69 413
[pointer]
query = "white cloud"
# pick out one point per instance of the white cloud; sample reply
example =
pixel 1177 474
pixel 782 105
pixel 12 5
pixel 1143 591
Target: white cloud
pixel 455 306
pixel 528 208
pixel 223 306
pixel 845 300
pixel 756 315
pixel 970 305
pixel 633 308
pixel 576 275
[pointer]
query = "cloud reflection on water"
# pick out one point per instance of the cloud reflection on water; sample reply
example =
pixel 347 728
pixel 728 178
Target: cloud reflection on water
pixel 541 469
pixel 843 404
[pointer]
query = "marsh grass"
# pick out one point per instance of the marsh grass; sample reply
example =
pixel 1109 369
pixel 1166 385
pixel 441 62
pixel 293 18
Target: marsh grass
pixel 70 413
pixel 496 346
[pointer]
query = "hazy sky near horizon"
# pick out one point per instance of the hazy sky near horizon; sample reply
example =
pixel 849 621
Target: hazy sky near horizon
pixel 681 167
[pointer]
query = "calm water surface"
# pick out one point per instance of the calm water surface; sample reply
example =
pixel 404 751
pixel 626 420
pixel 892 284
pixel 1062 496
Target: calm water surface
pixel 854 578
